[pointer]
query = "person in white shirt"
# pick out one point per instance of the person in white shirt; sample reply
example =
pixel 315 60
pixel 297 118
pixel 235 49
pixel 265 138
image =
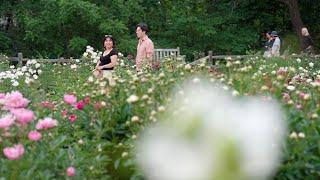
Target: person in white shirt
pixel 275 50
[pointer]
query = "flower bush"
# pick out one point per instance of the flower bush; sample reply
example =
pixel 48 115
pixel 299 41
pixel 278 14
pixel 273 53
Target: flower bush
pixel 67 124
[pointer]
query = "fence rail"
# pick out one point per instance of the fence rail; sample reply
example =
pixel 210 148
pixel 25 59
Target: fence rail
pixel 20 59
pixel 210 59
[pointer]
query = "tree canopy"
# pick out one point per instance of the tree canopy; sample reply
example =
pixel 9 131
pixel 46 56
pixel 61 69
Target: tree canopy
pixel 55 28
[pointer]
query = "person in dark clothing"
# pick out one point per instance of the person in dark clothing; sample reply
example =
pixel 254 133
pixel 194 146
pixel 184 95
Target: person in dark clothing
pixel 107 61
pixel 307 41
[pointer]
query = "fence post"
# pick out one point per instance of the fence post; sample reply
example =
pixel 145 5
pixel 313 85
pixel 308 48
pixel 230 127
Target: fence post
pixel 210 59
pixel 20 58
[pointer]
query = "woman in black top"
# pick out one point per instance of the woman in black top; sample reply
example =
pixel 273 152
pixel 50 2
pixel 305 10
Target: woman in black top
pixel 108 59
pixel 307 41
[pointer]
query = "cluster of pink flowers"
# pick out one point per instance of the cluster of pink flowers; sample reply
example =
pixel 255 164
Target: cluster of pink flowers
pixel 13 107
pixel 14 104
pixel 46 123
pixel 71 99
pixel 14 152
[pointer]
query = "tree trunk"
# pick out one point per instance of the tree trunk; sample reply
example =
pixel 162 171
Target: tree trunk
pixel 295 17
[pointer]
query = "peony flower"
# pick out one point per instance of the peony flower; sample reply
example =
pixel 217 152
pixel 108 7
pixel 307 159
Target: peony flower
pixel 46 123
pixel 135 119
pixel 301 135
pixel 311 64
pixel 15 100
pixel 80 105
pixel 221 137
pixel 293 135
pixel 71 171
pixel 73 118
pixel 14 153
pixel 132 99
pixel 6 121
pixel 70 99
pixel 86 100
pixel 47 104
pixel 23 116
pixel 34 136
pixel 64 113
pixel 291 88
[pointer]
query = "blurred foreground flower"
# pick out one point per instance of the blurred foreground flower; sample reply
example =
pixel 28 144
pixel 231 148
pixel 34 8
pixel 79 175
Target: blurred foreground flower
pixel 14 153
pixel 71 171
pixel 207 134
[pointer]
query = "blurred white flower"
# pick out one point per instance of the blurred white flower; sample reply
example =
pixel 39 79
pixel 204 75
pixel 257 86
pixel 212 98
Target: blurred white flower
pixel 187 67
pixel 299 60
pixel 293 135
pixel 73 66
pixel 235 93
pixel 311 64
pixel 85 54
pixel 204 137
pixel 37 65
pixel 90 79
pixel 132 99
pixel 161 108
pixel 291 88
pixel 135 119
pixel 15 83
pixel 301 135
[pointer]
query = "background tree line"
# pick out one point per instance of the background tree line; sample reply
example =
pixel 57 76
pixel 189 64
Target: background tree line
pixel 56 28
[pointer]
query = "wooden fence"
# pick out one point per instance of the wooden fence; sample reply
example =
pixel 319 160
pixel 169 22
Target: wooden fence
pixel 158 55
pixel 20 59
pixel 210 59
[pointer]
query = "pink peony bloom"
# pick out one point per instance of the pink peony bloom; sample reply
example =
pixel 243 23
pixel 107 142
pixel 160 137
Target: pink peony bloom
pixel 6 121
pixel 64 113
pixel 13 153
pixel 34 136
pixel 46 123
pixel 15 100
pixel 301 95
pixel 73 118
pixel 299 106
pixel 70 99
pixel 86 100
pixel 71 171
pixel 80 105
pixel 97 106
pixel 47 104
pixel 23 116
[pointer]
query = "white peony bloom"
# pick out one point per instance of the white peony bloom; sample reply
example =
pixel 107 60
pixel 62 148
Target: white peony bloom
pixel 132 99
pixel 15 83
pixel 213 135
pixel 291 88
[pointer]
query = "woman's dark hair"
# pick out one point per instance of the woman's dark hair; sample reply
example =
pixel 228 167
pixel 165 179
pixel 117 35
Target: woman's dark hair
pixel 143 27
pixel 111 38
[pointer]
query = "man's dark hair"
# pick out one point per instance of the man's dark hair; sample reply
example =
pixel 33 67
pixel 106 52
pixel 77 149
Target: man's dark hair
pixel 143 27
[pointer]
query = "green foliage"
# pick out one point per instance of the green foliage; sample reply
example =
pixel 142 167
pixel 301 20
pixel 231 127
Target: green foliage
pixel 77 45
pixel 290 42
pixel 46 28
